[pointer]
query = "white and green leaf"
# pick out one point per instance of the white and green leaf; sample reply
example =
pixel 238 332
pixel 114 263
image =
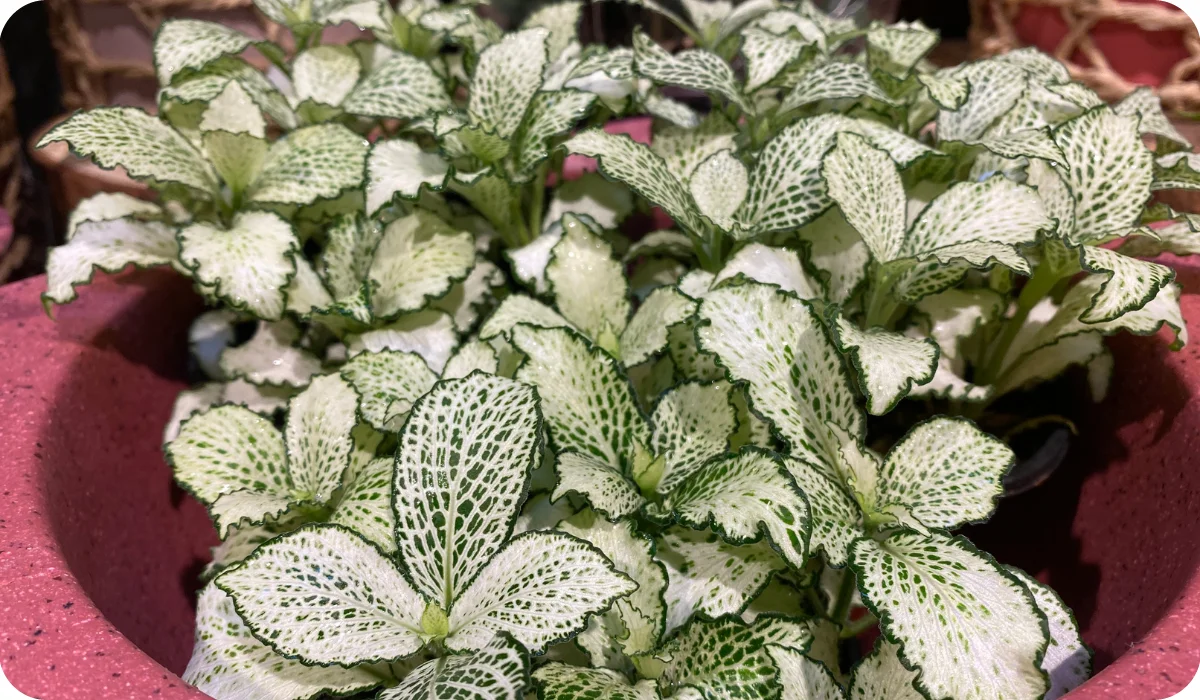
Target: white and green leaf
pixel 888 364
pixel 108 246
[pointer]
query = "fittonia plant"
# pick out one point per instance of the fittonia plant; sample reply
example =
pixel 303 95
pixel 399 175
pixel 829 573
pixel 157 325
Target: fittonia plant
pixel 463 437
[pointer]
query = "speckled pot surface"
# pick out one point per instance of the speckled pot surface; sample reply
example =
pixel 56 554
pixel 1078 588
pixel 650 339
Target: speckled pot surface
pixel 99 551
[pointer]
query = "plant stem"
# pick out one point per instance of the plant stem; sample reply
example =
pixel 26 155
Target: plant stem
pixel 709 251
pixel 536 201
pixel 1035 290
pixel 881 306
pixel 841 606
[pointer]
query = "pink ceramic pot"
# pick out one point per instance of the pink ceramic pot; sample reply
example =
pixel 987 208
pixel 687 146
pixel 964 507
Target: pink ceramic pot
pixel 99 552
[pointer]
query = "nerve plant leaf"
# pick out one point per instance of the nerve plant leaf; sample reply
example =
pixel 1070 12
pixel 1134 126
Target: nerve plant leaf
pixel 701 658
pixel 403 87
pixel 801 678
pixel 272 357
pixel 881 674
pixel 694 68
pixel 889 365
pixel 1130 283
pixel 558 681
pixel 107 245
pixel 499 671
pixel 418 259
pixel 188 45
pixel 508 75
pixel 1068 662
pixel 387 384
pixel 315 162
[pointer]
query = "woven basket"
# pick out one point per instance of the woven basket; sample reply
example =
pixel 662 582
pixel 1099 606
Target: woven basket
pixel 1085 29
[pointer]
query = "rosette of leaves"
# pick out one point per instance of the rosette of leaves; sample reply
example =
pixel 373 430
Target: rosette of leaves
pixel 934 594
pixel 457 603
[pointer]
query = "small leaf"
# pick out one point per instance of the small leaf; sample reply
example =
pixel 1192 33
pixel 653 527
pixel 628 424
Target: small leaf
pixel 996 86
pixel 836 519
pixel 498 671
pixel 888 364
pixel 398 168
pixel 189 44
pixel 881 674
pixel 947 91
pixel 108 246
pixel 387 384
pixel 418 259
pixel 587 282
pixel 683 150
pixel 708 576
pixel 551 113
pixel 366 505
pixel 234 111
pixel 865 183
pixel 403 87
pixel 744 497
pixel 325 74
pixel 801 678
pixel 1068 662
pixel 838 252
pixel 939 598
pixel 604 485
pixel 226 449
pixel 248 507
pixel 796 380
pixel 228 662
pixel 248 265
pixel 896 48
pixel 558 681
pixel 1146 106
pixel 349 248
pixel 540 588
pixel 693 423
pixel 508 75
pixel 646 334
pixel 605 201
pixel 315 162
pixel 996 210
pixel 110 206
pixel 145 146
pixel 768 54
pixel 702 658
pixel 587 401
pixel 462 468
pixel 1130 283
pixel 429 334
pixel 325 596
pixel 272 357
pixel 471 357
pixel 520 309
pixel 318 437
pixel 694 68
pixel 833 80
pixel 718 186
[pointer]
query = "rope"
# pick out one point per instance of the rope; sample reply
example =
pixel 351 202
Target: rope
pixel 993 31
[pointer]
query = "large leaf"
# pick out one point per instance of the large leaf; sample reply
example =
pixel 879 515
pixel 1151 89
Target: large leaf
pixel 324 595
pixel 247 265
pixel 418 259
pixel 744 497
pixel 387 384
pixel 942 601
pixel 1068 662
pixel 796 380
pixel 558 681
pixel 694 68
pixel 801 678
pixel 403 87
pixel 622 158
pixel 462 468
pixel 1109 171
pixel 888 364
pixel 1130 283
pixel 588 283
pixel 312 163
pixel 865 183
pixel 499 671
pixel 228 662
pixel 189 44
pixel 540 588
pixel 706 575
pixel 145 146
pixel 587 401
pixel 996 210
pixel 727 658
pixel 508 75
pixel 693 423
pixel 109 246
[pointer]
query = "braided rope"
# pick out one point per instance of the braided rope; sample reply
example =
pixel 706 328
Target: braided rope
pixel 993 31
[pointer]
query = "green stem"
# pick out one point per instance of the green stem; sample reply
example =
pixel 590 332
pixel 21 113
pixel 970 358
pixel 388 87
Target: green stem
pixel 1035 290
pixel 709 252
pixel 537 200
pixel 881 305
pixel 855 628
pixel 841 606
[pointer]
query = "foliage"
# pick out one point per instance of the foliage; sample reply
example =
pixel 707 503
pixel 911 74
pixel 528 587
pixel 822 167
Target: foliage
pixel 482 443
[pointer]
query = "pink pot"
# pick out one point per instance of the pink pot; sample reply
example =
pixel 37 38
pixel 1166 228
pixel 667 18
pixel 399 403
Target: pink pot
pixel 99 552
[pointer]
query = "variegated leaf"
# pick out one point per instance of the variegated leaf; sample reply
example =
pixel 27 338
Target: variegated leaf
pixel 1108 170
pixel 110 206
pixel 387 383
pixel 646 334
pixel 429 334
pixel 778 266
pixel 558 681
pixel 228 662
pixel 418 259
pixel 399 168
pixel 996 210
pixel 694 68
pixel 247 265
pixel 249 507
pixel 349 249
pixel 708 576
pixel 881 674
pixel 692 423
pixel 205 85
pixel 942 600
pixel 888 364
pixel 768 54
pixel 801 678
pixel 1144 104
pixel 701 659
pixel 471 357
pixel 108 246
pixel 324 595
pixel 682 150
pixel 318 437
pixel 796 380
pixel 718 186
pixel 587 401
pixel 896 48
pixel 508 75
pixel 182 45
pixel 996 86
pixel 593 195
pixel 234 111
pixel 744 497
pixel 226 449
pixel 836 519
pixel 604 485
pixel 838 253
pixel 325 74
pixel 551 113
pixel 588 283
pixel 403 87
pixel 865 183
pixel 833 80
pixel 621 158
pixel 366 505
pixel 145 146
pixel 520 309
pixel 312 163
pixel 1129 283
pixel 947 91
pixel 272 357
pixel 540 588
pixel 498 671
pixel 464 440
pixel 643 612
pixel 1068 661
